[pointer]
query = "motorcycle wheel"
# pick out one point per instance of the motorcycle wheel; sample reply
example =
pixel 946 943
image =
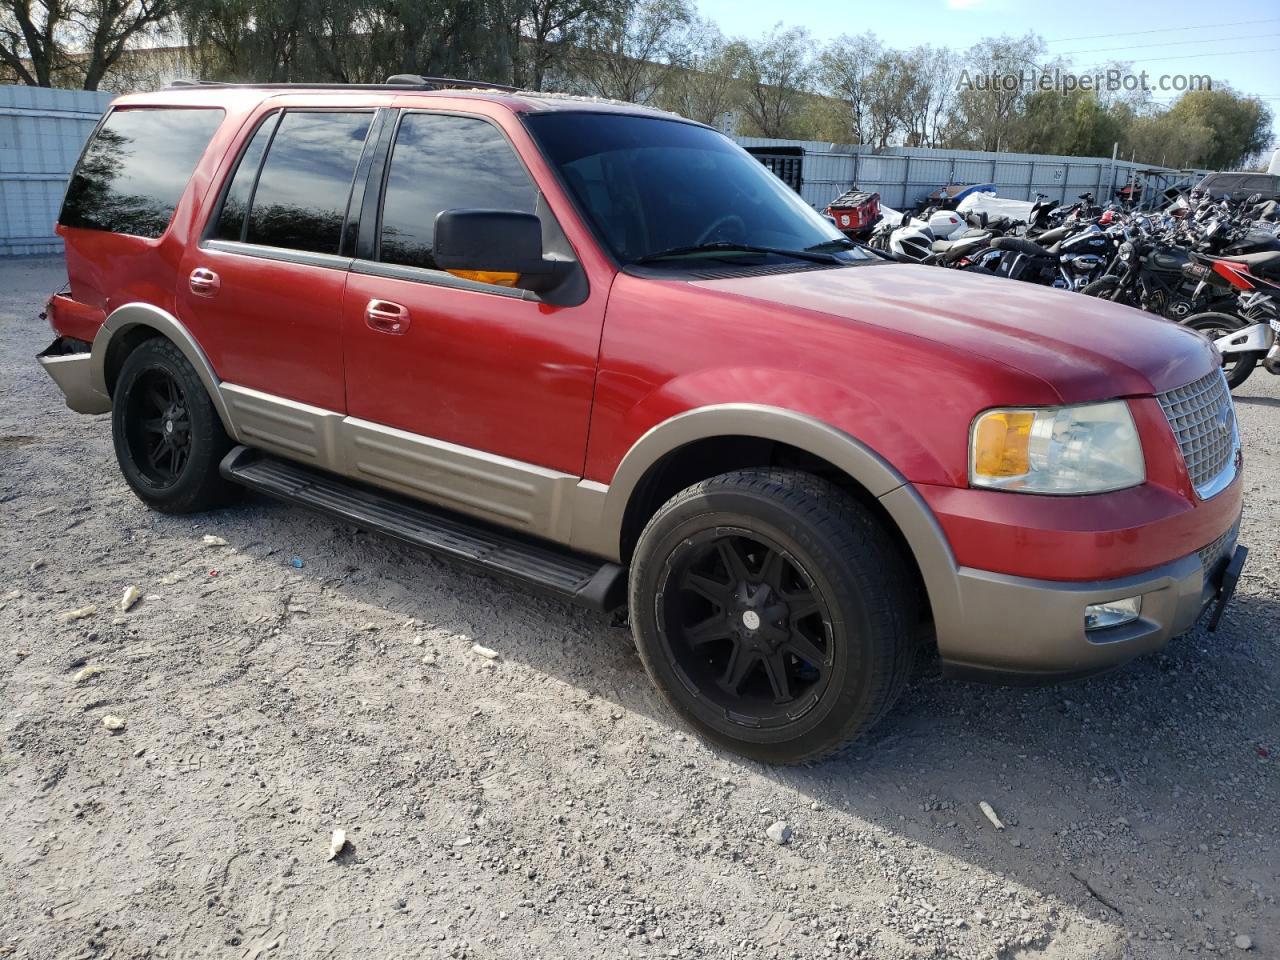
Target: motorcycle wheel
pixel 1106 288
pixel 1236 366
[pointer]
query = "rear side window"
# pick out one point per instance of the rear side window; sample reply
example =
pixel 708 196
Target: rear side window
pixel 1260 183
pixel 445 163
pixel 300 201
pixel 235 206
pixel 134 170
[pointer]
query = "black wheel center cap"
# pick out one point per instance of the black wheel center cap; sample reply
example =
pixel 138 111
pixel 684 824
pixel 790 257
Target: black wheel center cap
pixel 759 616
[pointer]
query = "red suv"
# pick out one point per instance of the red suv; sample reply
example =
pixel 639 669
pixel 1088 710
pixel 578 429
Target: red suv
pixel 602 350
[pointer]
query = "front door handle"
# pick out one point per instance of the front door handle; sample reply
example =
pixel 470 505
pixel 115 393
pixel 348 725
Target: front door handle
pixel 204 282
pixel 386 317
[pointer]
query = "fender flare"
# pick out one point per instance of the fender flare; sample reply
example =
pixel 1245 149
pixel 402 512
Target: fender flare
pixel 904 505
pixel 132 315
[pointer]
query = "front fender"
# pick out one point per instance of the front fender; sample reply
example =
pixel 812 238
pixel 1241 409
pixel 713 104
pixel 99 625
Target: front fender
pixel 886 429
pixel 917 524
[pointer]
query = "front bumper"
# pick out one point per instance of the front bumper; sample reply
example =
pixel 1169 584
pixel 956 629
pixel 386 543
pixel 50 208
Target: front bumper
pixel 1020 630
pixel 70 369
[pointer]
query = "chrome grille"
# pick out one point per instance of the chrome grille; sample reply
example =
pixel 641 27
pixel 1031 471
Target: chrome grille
pixel 1219 550
pixel 1204 423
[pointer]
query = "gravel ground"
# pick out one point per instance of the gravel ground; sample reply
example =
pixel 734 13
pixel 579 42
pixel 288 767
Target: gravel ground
pixel 306 677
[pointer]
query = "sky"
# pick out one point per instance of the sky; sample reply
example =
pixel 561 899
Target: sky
pixel 1233 41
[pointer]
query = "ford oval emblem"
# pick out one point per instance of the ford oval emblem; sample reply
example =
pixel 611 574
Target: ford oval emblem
pixel 1225 420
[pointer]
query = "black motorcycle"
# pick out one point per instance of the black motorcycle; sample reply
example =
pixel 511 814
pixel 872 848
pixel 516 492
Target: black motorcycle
pixel 1069 257
pixel 1151 273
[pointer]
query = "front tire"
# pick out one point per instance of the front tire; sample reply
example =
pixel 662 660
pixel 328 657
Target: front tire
pixel 1105 288
pixel 772 612
pixel 167 435
pixel 1236 366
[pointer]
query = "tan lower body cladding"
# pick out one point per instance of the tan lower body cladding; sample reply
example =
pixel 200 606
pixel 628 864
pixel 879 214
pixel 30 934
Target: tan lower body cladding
pixel 516 495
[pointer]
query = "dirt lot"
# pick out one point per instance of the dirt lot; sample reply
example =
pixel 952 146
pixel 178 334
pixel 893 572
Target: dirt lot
pixel 305 677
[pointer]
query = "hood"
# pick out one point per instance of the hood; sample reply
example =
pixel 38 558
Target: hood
pixel 1086 349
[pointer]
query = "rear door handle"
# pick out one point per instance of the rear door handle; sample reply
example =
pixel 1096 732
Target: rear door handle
pixel 204 282
pixel 386 317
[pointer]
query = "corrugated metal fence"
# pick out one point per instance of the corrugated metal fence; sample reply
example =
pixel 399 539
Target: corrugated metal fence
pixel 41 133
pixel 904 176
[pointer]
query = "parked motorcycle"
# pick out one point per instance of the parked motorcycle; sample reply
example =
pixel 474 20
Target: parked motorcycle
pixel 1075 257
pixel 1150 267
pixel 1245 335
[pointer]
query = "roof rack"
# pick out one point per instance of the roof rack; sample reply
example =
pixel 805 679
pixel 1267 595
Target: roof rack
pixel 399 81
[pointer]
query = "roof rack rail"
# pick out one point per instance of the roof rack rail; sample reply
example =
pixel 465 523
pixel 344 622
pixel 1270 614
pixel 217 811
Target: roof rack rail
pixel 398 81
pixel 445 83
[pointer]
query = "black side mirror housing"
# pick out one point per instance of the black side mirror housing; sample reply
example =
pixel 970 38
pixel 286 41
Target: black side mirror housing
pixel 497 241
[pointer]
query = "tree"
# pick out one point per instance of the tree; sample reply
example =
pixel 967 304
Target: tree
pixel 706 87
pixel 631 50
pixel 926 89
pixel 63 42
pixel 844 71
pixel 991 96
pixel 776 73
pixel 548 30
pixel 1240 125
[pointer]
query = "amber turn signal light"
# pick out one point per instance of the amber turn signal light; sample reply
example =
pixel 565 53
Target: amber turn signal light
pixel 493 277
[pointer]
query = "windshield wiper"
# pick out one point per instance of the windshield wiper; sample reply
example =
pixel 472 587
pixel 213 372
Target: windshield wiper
pixel 825 245
pixel 728 246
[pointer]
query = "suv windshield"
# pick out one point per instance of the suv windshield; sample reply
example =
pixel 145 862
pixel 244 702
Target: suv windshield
pixel 656 188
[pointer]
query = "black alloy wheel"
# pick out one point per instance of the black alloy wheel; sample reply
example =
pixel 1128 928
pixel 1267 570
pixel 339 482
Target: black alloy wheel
pixel 746 626
pixel 168 437
pixel 159 427
pixel 774 612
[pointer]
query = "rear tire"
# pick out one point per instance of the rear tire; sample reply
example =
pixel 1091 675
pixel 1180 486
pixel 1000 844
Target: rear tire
pixel 168 437
pixel 1236 366
pixel 772 612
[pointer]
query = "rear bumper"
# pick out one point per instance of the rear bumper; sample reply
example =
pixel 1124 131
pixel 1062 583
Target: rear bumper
pixel 70 370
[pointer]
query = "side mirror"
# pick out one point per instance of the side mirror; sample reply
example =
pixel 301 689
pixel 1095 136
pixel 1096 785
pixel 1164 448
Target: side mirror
pixel 502 247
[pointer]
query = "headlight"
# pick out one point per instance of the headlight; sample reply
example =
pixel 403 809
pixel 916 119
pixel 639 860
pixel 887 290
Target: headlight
pixel 1090 448
pixel 1126 251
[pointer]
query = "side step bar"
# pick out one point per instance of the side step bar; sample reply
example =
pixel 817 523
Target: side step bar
pixel 550 569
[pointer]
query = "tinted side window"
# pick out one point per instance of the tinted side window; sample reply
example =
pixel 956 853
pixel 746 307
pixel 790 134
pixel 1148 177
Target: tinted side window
pixel 235 206
pixel 302 194
pixel 1260 183
pixel 135 169
pixel 445 163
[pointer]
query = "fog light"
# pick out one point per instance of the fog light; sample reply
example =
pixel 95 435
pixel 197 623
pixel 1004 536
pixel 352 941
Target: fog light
pixel 1113 613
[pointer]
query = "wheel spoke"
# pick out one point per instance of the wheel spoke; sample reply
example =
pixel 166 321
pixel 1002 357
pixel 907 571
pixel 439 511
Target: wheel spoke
pixel 156 398
pixel 180 459
pixel 775 668
pixel 771 569
pixel 741 660
pixel 806 650
pixel 154 425
pixel 732 559
pixel 802 605
pixel 720 594
pixel 712 628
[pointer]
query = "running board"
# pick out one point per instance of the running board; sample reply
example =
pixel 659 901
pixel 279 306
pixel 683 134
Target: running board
pixel 545 567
